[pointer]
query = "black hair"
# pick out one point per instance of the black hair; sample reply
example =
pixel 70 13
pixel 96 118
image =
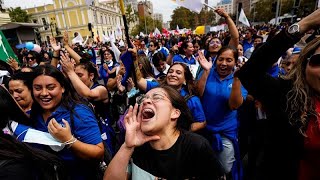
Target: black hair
pixel 195 41
pixel 184 45
pixel 69 97
pixel 155 43
pixel 35 55
pixel 25 77
pixel 42 164
pixel 112 54
pixel 90 67
pixel 185 119
pixel 157 57
pixel 10 110
pixel 190 84
pixel 225 48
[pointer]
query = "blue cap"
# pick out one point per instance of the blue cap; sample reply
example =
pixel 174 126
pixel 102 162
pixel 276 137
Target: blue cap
pixel 296 50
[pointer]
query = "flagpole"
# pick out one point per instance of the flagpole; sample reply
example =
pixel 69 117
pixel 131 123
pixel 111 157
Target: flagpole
pixel 125 23
pixel 208 6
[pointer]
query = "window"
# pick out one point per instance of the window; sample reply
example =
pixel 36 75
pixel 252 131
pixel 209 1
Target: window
pixel 44 22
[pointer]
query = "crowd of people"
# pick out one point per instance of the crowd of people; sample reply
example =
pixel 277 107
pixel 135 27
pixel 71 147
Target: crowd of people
pixel 237 104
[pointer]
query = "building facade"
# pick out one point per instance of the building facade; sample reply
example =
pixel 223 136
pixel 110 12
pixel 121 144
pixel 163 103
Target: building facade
pixel 74 16
pixel 227 5
pixel 245 4
pixel 4 15
pixel 145 8
pixel 158 16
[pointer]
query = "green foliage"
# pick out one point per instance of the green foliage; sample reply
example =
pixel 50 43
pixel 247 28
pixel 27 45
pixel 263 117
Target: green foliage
pixel 184 18
pixel 263 9
pixel 151 25
pixel 18 15
pixel 130 14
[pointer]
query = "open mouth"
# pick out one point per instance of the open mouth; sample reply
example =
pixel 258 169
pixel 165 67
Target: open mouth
pixel 147 113
pixel 45 100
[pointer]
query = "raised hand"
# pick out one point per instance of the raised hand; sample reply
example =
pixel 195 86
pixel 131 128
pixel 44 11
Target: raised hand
pixel 221 12
pixel 121 88
pixel 130 84
pixel 65 39
pixel 205 64
pixel 134 136
pixel 13 64
pixel 133 50
pixel 67 65
pixel 54 45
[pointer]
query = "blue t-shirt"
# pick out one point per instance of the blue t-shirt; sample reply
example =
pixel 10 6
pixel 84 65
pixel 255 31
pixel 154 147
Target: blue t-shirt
pixel 85 129
pixel 193 103
pixel 104 74
pixel 215 101
pixel 246 45
pixel 183 59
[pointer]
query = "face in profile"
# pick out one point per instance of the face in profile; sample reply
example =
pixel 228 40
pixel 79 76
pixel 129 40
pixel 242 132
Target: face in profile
pixel 84 75
pixel 47 92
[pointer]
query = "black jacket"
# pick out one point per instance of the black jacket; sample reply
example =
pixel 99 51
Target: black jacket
pixel 283 143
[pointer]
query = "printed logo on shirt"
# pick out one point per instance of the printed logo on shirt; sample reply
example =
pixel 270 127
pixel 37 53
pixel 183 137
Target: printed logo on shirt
pixel 230 86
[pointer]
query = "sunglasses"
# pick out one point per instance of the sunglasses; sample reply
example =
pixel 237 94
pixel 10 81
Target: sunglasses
pixel 151 45
pixel 29 58
pixel 314 60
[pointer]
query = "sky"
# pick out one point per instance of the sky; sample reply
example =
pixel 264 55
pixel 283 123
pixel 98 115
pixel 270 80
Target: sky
pixel 164 7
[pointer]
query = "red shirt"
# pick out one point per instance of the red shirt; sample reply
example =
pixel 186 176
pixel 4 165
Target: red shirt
pixel 310 164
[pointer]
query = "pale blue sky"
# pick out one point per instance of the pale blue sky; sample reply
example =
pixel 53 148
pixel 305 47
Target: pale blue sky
pixel 165 7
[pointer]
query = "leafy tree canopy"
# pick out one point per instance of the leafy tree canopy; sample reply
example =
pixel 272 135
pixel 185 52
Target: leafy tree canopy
pixel 18 15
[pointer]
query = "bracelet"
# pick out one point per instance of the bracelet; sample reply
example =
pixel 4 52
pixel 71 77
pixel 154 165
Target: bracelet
pixel 57 57
pixel 70 142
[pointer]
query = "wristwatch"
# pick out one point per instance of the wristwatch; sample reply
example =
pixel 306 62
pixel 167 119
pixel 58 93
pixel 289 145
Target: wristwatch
pixel 294 29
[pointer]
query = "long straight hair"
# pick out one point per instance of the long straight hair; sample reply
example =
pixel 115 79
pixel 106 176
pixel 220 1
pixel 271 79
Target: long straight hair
pixel 69 97
pixel 41 162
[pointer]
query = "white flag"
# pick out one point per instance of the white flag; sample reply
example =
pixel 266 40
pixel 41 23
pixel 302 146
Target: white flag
pixel 156 31
pixel 112 37
pixel 105 38
pixel 118 31
pixel 243 19
pixel 77 39
pixel 193 5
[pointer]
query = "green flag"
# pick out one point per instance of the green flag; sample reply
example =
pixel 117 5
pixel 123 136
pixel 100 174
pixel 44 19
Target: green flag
pixel 5 49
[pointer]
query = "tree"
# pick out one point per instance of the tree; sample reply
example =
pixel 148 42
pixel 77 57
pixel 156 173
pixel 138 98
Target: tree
pixel 130 14
pixel 263 9
pixel 151 25
pixel 184 18
pixel 19 15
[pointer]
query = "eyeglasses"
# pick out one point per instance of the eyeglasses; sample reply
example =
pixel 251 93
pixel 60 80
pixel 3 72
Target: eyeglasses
pixel 211 43
pixel 314 60
pixel 156 97
pixel 107 54
pixel 29 58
